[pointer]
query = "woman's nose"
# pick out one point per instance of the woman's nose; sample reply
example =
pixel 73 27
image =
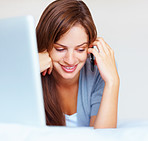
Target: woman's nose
pixel 69 58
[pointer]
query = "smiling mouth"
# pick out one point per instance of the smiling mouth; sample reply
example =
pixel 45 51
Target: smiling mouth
pixel 69 69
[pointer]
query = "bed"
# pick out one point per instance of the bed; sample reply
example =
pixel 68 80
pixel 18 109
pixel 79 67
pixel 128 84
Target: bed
pixel 126 131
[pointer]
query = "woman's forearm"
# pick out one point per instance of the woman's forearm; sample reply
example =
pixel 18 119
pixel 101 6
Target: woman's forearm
pixel 107 114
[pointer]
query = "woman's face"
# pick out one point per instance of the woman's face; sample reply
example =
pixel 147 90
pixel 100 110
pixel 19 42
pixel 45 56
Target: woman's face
pixel 69 53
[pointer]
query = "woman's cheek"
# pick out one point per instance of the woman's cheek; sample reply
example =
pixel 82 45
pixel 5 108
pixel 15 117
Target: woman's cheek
pixel 83 57
pixel 57 56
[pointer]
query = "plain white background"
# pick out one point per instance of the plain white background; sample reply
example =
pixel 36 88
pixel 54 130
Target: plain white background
pixel 124 26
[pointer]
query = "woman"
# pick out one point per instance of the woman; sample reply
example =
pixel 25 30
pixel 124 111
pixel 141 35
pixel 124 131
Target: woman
pixel 73 94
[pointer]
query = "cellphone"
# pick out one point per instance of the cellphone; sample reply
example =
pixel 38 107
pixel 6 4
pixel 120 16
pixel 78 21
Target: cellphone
pixel 92 58
pixel 92 62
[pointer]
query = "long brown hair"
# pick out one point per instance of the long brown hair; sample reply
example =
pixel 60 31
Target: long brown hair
pixel 56 20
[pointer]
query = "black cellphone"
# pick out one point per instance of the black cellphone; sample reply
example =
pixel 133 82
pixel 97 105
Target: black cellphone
pixel 92 58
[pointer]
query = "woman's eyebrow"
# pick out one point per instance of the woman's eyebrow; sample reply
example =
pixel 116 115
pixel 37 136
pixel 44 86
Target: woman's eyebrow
pixel 76 46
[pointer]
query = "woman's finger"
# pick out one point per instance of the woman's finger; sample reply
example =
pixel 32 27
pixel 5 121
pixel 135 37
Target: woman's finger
pixel 50 69
pixel 106 47
pixel 93 51
pixel 44 72
pixel 109 48
pixel 99 46
pixel 101 40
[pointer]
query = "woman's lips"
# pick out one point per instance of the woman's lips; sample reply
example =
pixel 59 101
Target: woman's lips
pixel 69 69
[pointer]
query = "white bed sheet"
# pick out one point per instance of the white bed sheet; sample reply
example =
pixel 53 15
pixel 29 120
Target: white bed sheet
pixel 126 131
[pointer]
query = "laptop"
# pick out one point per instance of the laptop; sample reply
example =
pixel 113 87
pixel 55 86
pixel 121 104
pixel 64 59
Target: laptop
pixel 21 97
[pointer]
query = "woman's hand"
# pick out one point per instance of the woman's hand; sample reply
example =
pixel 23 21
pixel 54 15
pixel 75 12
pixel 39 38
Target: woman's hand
pixel 45 63
pixel 105 60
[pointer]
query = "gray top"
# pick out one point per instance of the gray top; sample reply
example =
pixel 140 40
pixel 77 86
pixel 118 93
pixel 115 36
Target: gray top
pixel 91 87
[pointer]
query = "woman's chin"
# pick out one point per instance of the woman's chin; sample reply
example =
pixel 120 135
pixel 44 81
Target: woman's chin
pixel 69 76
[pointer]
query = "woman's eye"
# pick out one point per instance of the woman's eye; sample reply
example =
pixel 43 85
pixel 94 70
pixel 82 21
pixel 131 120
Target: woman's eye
pixel 81 50
pixel 60 49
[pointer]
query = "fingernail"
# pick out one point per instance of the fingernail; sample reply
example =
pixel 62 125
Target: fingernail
pixel 49 72
pixel 43 74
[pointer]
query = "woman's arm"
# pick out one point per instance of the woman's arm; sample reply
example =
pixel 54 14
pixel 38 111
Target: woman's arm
pixel 107 114
pixel 45 63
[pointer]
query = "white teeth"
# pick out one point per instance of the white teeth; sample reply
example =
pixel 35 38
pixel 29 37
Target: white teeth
pixel 69 68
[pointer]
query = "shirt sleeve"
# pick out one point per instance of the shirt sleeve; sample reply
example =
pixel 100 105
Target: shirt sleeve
pixel 96 95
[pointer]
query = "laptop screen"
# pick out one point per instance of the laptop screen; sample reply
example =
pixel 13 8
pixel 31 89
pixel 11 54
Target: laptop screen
pixel 21 97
